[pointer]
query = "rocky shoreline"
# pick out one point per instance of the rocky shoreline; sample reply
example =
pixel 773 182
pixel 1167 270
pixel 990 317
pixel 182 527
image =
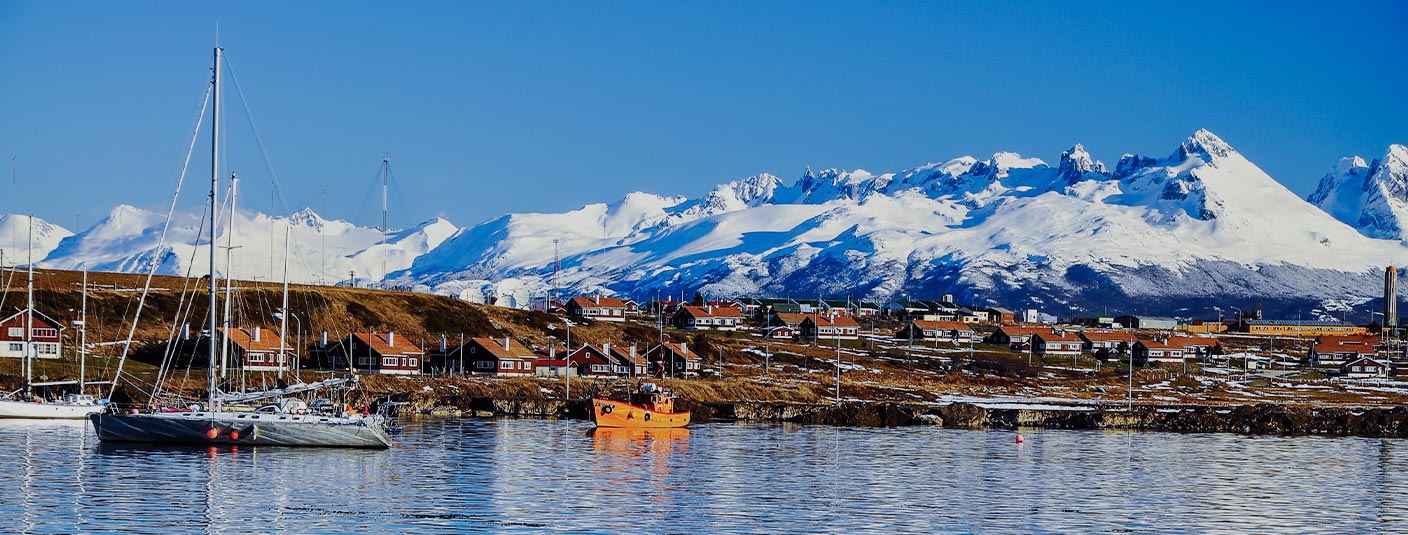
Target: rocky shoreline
pixel 1258 419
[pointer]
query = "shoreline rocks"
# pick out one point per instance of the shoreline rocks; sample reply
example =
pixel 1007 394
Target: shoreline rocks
pixel 1259 419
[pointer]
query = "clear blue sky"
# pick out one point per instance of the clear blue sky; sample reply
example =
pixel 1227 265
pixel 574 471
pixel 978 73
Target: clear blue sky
pixel 490 108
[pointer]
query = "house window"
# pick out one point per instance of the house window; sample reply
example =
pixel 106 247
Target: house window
pixel 16 332
pixel 526 365
pixel 483 364
pixel 413 362
pixel 45 333
pixel 48 349
pixel 16 347
pixel 601 368
pixel 256 358
pixel 365 361
pixel 506 365
pixel 388 361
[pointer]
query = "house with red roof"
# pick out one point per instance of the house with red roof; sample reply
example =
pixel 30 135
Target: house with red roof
pixel 385 353
pixel 596 308
pixel 1056 343
pixel 1156 351
pixel 792 320
pixel 628 360
pixel 503 357
pixel 824 328
pixel 672 359
pixel 1339 350
pixel 256 349
pixel 593 361
pixel 1016 336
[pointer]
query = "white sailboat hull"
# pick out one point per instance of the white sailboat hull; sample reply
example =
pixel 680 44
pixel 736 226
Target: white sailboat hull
pixel 242 429
pixel 47 411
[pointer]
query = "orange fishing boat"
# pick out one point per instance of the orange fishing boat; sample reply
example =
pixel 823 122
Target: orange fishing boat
pixel 657 411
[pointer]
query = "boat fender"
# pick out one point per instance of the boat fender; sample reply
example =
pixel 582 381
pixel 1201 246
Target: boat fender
pixel 606 409
pixel 212 433
pixel 647 417
pixel 234 434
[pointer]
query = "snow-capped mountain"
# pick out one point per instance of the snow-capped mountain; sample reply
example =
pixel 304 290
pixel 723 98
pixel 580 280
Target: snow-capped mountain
pixel 319 250
pixel 1199 227
pixel 16 239
pixel 1372 198
pixel 1180 234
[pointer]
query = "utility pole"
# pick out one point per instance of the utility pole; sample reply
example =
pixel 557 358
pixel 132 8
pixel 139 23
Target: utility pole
pixel 838 366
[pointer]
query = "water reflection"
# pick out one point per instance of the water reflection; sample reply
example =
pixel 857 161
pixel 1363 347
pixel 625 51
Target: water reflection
pixel 530 476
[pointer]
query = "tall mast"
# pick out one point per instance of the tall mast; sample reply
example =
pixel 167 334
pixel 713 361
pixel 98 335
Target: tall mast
pixel 214 210
pixel 229 278
pixel 283 312
pixel 83 334
pixel 29 314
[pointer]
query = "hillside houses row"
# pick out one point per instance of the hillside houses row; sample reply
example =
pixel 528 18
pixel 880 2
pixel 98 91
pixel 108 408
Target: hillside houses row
pixel 1103 345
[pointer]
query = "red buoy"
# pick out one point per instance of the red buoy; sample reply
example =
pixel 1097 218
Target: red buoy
pixel 212 433
pixel 234 435
pixel 1019 439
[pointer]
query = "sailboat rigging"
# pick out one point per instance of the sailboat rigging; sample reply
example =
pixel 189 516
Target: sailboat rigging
pixel 71 406
pixel 284 422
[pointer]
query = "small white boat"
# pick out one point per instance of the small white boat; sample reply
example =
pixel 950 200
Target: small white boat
pixel 72 406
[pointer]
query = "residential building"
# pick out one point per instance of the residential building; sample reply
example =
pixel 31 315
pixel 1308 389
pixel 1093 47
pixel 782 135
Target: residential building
pixel 503 357
pixel 824 328
pixel 1001 315
pixel 673 360
pixel 1155 351
pixel 631 306
pixel 787 319
pixel 707 318
pixel 628 361
pixel 779 333
pixel 1193 346
pixel 662 306
pixel 385 353
pixel 256 349
pixel 1016 336
pixel 864 309
pixel 1109 341
pixel 1056 343
pixel 953 331
pixel 552 363
pixel 1363 368
pixel 596 308
pixel 593 361
pixel 46 336
pixel 1338 350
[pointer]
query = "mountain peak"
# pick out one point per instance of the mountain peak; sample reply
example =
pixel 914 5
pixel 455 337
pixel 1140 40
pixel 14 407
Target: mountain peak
pixel 1075 163
pixel 1205 143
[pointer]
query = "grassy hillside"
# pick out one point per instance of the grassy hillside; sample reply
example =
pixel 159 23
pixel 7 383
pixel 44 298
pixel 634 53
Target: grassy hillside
pixel 874 368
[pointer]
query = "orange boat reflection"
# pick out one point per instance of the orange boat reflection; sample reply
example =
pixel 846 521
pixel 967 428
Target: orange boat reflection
pixel 633 440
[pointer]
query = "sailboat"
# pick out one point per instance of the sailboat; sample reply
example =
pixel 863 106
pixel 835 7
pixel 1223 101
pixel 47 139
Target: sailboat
pixel 281 422
pixel 23 403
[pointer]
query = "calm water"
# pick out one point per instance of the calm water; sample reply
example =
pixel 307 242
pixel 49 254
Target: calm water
pixel 531 476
